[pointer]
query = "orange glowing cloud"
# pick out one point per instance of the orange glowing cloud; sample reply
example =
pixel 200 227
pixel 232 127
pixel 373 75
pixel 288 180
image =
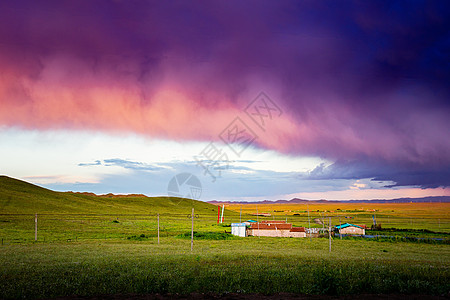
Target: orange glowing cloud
pixel 89 102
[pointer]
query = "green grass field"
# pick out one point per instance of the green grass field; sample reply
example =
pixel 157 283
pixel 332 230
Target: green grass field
pixel 240 265
pixel 430 216
pixel 90 245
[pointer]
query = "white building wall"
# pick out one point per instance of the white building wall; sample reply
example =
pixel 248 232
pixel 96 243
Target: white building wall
pixel 270 232
pixel 239 229
pixel 297 234
pixel 352 230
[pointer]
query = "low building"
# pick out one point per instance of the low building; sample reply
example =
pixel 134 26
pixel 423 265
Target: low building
pixel 275 229
pixel 298 232
pixel 239 229
pixel 348 228
pixel 313 230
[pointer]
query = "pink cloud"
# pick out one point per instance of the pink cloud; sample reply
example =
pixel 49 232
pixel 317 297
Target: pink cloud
pixel 349 89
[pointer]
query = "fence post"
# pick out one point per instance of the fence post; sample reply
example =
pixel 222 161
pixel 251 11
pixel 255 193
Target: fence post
pixel 192 230
pixel 158 228
pixel 323 221
pixel 35 227
pixel 257 220
pixel 329 231
pixel 309 223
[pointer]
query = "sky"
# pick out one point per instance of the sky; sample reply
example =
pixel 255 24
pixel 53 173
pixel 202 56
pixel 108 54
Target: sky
pixel 255 100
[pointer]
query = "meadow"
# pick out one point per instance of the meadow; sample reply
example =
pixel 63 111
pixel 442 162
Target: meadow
pixel 430 216
pixel 238 265
pixel 89 245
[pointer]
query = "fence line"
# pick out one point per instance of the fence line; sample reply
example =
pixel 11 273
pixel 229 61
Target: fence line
pixel 93 226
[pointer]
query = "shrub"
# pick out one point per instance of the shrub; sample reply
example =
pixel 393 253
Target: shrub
pixel 207 235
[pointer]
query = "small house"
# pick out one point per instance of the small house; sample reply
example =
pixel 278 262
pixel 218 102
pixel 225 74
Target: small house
pixel 297 232
pixel 275 229
pixel 348 228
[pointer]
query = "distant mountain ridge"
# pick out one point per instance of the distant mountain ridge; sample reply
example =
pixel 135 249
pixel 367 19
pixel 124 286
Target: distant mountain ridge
pixel 431 199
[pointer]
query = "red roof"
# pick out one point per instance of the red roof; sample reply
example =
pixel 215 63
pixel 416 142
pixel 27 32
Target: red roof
pixel 298 229
pixel 362 226
pixel 271 226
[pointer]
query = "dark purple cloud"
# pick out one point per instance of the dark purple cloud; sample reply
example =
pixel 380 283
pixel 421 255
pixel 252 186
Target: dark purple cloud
pixel 364 82
pixel 400 175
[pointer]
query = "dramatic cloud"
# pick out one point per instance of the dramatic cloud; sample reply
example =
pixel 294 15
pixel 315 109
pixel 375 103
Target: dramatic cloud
pixel 413 175
pixel 364 84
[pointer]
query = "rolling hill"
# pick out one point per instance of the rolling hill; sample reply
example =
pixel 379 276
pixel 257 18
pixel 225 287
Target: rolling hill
pixel 20 197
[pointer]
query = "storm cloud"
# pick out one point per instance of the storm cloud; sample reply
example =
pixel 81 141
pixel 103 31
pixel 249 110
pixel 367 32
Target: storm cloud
pixel 361 83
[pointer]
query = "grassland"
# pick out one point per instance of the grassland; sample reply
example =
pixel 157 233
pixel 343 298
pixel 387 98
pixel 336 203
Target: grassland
pixel 431 216
pixel 240 265
pixel 90 245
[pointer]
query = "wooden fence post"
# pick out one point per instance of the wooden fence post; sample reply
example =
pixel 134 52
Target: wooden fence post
pixel 309 223
pixel 35 227
pixel 192 230
pixel 329 231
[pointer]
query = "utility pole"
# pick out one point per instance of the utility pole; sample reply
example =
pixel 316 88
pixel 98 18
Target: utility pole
pixel 340 235
pixel 158 228
pixel 192 230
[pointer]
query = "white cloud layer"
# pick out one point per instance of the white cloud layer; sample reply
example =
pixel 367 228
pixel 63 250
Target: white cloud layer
pixel 118 163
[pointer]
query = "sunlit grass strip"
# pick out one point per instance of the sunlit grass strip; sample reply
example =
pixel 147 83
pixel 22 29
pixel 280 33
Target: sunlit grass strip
pixel 223 274
pixel 245 265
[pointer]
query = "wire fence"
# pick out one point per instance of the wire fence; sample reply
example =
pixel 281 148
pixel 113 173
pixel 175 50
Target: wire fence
pixel 25 228
pixel 20 228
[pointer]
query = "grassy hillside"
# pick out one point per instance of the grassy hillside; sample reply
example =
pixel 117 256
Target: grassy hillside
pixel 19 197
pixel 84 216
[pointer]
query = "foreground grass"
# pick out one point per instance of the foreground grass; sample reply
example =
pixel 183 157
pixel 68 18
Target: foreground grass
pixel 245 265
